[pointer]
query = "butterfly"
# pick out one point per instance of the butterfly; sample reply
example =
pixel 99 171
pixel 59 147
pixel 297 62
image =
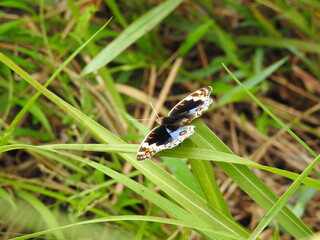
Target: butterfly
pixel 174 128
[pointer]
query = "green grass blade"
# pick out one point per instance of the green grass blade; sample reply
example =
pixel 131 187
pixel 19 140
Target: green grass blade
pixel 277 120
pixel 113 5
pixel 253 81
pixel 17 4
pixel 133 32
pixel 5 27
pixel 4 195
pixel 227 43
pixel 292 15
pixel 204 173
pixel 283 200
pixel 305 46
pixel 194 38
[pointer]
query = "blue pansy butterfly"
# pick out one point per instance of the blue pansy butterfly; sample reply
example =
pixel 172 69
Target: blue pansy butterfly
pixel 174 129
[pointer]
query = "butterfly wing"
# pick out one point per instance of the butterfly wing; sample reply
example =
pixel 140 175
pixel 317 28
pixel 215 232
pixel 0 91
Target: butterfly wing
pixel 193 105
pixel 162 137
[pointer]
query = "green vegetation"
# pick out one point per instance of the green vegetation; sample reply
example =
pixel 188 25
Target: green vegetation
pixel 74 73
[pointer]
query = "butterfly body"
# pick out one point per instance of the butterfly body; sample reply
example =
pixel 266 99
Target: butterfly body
pixel 174 128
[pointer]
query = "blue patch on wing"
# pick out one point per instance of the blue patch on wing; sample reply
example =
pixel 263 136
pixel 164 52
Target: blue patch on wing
pixel 176 132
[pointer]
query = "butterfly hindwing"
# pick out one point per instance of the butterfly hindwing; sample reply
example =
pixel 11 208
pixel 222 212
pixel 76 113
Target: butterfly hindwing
pixel 161 138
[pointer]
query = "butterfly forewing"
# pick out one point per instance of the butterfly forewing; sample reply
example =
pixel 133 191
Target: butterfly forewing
pixel 194 104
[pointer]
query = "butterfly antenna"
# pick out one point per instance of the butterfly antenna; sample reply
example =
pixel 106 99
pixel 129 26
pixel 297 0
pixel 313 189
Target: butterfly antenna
pixel 154 110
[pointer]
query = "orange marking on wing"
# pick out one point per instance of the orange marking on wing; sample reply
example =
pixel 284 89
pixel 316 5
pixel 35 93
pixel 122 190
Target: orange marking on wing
pixel 181 104
pixel 150 137
pixel 183 133
pixel 147 151
pixel 176 108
